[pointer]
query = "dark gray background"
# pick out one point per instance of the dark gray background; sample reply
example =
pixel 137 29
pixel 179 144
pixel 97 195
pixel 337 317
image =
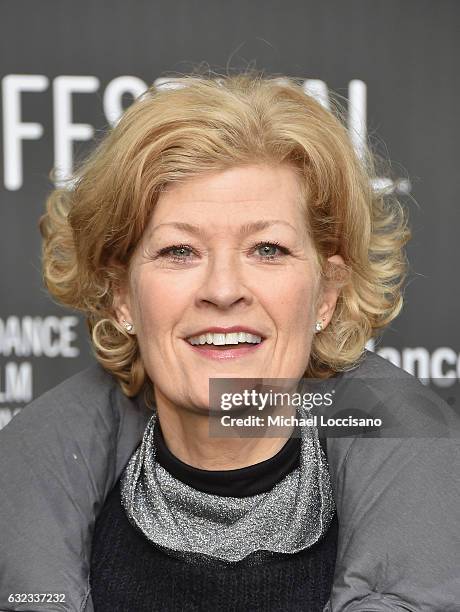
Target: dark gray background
pixel 406 51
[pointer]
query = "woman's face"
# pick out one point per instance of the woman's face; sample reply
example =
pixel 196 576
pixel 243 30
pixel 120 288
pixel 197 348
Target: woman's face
pixel 225 253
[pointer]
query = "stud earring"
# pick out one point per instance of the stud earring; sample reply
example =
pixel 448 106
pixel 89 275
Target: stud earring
pixel 319 325
pixel 128 326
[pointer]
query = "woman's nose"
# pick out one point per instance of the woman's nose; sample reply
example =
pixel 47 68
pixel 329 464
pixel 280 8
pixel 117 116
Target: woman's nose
pixel 223 283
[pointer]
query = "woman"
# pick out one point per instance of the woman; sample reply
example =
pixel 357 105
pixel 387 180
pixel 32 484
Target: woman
pixel 226 229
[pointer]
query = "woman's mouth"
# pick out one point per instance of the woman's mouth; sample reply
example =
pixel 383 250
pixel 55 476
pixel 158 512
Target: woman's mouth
pixel 225 345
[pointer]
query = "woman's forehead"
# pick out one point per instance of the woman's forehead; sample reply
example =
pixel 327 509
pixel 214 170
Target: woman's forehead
pixel 247 194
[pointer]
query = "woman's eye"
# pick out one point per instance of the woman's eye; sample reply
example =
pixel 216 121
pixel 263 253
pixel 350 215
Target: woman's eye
pixel 179 252
pixel 270 250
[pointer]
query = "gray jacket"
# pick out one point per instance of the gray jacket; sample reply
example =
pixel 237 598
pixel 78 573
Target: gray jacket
pixel 397 498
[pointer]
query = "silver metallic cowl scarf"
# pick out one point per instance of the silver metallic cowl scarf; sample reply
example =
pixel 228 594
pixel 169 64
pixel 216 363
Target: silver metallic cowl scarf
pixel 291 516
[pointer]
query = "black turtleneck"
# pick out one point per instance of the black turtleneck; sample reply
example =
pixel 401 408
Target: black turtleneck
pixel 131 574
pixel 243 482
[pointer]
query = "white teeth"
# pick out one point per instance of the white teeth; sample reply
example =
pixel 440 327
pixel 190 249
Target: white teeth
pixel 222 339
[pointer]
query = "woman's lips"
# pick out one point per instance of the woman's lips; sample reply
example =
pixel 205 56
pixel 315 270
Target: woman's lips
pixel 222 352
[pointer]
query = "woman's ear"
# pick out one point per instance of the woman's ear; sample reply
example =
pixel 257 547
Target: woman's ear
pixel 122 306
pixel 330 291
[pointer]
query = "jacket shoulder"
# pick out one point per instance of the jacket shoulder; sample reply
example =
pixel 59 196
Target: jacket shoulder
pixel 409 407
pixel 60 457
pixel 372 365
pixel 90 387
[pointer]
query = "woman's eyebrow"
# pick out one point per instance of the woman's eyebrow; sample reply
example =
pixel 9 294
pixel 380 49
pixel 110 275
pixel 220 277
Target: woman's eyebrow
pixel 244 230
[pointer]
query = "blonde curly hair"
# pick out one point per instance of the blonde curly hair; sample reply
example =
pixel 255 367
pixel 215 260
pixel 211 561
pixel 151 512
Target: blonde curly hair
pixel 206 124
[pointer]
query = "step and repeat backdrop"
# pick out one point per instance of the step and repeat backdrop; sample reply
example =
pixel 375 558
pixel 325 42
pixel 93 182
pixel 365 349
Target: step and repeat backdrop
pixel 68 69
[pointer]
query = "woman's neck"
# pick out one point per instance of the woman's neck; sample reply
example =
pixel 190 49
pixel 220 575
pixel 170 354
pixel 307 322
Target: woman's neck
pixel 187 436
